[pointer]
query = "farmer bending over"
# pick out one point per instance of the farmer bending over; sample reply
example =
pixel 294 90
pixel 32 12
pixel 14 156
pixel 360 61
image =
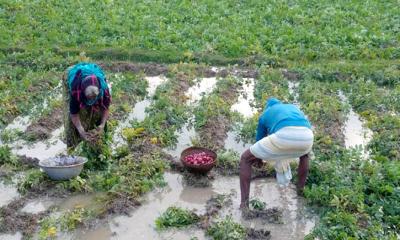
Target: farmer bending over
pixel 88 97
pixel 283 134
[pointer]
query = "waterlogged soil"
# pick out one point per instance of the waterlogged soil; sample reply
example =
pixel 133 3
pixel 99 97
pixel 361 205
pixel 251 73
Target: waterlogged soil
pixel 154 69
pixel 43 128
pixel 8 193
pixel 42 149
pixel 201 88
pixel 246 100
pixel 141 221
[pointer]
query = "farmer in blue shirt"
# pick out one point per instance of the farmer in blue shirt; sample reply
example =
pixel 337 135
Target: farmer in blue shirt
pixel 283 134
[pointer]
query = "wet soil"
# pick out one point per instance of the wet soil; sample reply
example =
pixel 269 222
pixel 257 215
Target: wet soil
pixel 291 75
pixel 197 179
pixel 42 129
pixel 13 220
pixel 253 234
pixel 154 69
pixel 271 215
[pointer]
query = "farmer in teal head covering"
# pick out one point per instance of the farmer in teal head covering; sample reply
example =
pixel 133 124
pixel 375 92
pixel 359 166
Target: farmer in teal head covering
pixel 89 98
pixel 283 134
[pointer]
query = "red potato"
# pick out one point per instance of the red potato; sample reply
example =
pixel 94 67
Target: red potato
pixel 199 159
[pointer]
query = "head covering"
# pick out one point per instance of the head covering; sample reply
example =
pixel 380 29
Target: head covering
pixel 272 101
pixel 91 80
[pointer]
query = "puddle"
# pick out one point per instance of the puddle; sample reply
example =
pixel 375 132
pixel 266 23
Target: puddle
pixel 196 92
pixel 356 135
pixel 38 205
pixel 16 236
pixel 141 223
pixel 44 149
pixel 245 100
pixel 293 90
pixel 79 200
pixel 232 144
pixel 100 233
pixel 185 136
pixel 153 83
pixel 19 123
pixel 7 193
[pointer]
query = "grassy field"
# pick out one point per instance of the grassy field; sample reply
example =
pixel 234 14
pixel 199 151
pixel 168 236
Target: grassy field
pixel 325 46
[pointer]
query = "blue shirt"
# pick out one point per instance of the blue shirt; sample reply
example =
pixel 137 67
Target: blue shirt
pixel 278 115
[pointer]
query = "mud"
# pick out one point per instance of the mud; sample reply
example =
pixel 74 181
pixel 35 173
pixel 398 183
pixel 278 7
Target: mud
pixel 291 75
pixel 12 220
pixel 271 215
pixel 43 127
pixel 149 69
pixel 154 69
pixel 141 223
pixel 214 132
pixel 197 179
pixel 253 234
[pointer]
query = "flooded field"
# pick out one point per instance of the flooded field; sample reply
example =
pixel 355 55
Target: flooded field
pixel 226 97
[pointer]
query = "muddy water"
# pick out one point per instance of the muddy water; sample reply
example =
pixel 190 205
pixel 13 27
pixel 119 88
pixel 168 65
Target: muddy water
pixel 141 222
pixel 245 100
pixel 356 135
pixel 232 144
pixel 7 193
pixel 185 136
pixel 16 236
pixel 38 205
pixel 44 149
pixel 204 86
pixel 293 90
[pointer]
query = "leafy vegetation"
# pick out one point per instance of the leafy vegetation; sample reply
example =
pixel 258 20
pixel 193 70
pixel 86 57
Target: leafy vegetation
pixel 257 204
pixel 176 217
pixel 227 229
pixel 290 30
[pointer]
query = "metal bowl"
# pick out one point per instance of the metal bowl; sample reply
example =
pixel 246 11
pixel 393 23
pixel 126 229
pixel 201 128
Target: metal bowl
pixel 198 168
pixel 64 172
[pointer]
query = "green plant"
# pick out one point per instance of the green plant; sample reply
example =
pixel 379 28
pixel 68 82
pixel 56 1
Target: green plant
pixel 176 217
pixel 227 229
pixel 257 204
pixel 32 179
pixel 228 161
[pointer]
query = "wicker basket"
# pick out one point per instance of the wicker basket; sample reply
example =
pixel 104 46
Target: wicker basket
pixel 198 168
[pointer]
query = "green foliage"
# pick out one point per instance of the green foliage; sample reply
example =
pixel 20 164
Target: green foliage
pixel 291 30
pixel 257 204
pixel 228 161
pixel 176 217
pixel 227 229
pixel 68 221
pixel 7 158
pixel 32 179
pixel 76 184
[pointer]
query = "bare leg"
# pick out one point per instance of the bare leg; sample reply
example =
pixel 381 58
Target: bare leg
pixel 246 161
pixel 302 172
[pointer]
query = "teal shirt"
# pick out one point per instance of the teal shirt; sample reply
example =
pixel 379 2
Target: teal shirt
pixel 278 115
